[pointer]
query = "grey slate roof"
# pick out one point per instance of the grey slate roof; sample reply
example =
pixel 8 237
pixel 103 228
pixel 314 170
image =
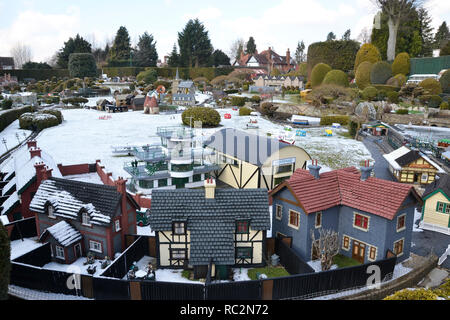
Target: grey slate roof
pixel 247 147
pixel 442 183
pixel 411 156
pixel 211 222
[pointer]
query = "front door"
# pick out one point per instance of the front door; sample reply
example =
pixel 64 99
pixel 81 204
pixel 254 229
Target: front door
pixel 359 251
pixel 78 253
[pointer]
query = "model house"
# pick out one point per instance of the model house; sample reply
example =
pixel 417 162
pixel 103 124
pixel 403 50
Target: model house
pixel 183 92
pixel 370 215
pixel 436 207
pixel 278 82
pixel 6 63
pixel 268 60
pixel 78 217
pixel 412 166
pixel 222 227
pixel 252 161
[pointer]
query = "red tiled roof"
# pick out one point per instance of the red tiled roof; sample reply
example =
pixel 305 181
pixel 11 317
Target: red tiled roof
pixel 344 187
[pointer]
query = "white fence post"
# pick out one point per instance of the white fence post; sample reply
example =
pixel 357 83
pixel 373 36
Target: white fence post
pixel 444 256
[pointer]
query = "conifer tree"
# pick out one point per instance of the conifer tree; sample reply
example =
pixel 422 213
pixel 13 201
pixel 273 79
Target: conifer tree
pixel 146 54
pixel 195 46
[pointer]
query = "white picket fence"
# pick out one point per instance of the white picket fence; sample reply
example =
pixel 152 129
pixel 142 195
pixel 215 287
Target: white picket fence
pixel 444 256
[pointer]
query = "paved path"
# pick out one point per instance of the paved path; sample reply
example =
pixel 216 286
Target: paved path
pixel 381 165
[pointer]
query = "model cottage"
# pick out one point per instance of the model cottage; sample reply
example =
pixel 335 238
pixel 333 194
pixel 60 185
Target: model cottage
pixel 222 227
pixel 436 207
pixel 79 217
pixel 370 215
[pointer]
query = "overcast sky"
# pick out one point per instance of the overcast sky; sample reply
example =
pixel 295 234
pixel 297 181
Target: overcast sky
pixel 45 25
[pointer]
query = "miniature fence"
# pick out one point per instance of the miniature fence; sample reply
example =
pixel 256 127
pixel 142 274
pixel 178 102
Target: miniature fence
pixel 25 228
pixel 289 259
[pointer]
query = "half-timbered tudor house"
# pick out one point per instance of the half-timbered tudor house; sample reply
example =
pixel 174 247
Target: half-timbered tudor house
pixel 197 228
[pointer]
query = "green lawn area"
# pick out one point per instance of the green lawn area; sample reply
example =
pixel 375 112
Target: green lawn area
pixel 343 261
pixel 270 272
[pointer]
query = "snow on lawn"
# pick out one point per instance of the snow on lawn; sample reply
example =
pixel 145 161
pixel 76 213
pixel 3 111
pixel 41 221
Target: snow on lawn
pixel 9 134
pixel 417 218
pixel 317 266
pixel 84 138
pixel 241 274
pixel 29 294
pixel 19 247
pixel 76 267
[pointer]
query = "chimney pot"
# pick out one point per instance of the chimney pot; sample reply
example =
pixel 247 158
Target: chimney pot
pixel 366 171
pixel 210 188
pixel 314 169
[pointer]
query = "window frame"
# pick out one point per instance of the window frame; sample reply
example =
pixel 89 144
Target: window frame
pixel 175 251
pixel 404 222
pixel 84 215
pixel 318 214
pixel 175 228
pixel 355 214
pixel 296 227
pixel 117 225
pixel 374 250
pixel 59 249
pixel 279 217
pixel 51 209
pixel 239 223
pixel 346 248
pixel 402 241
pixel 92 248
pixel 250 253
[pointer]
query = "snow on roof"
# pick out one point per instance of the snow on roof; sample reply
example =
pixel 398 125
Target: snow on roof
pixel 434 164
pixel 8 186
pixel 64 233
pixel 8 166
pixel 4 220
pixel 392 157
pixel 65 204
pixel 28 171
pixel 12 200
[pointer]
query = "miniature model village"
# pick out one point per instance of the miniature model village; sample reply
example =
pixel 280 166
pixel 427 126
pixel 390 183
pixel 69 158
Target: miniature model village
pixel 218 183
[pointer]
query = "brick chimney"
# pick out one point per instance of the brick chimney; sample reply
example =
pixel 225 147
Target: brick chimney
pixel 366 171
pixel 46 173
pixel 121 185
pixel 35 152
pixel 210 188
pixel 288 58
pixel 31 143
pixel 314 169
pixel 40 169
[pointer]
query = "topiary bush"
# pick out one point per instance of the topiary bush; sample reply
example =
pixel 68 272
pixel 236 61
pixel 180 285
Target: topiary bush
pixel 402 111
pixel 432 101
pixel 369 93
pixel 318 73
pixel 37 121
pixel 329 120
pixel 445 81
pixel 393 97
pixel 268 109
pixel 244 111
pixel 362 75
pixel 210 118
pixel 148 76
pixel 5 264
pixel 416 294
pixel 336 77
pixel 444 106
pixel 329 92
pixel 401 78
pixel 431 86
pixel 255 99
pixel 367 52
pixel 238 101
pixel 380 73
pixel 401 64
pixel 56 113
pixel 385 87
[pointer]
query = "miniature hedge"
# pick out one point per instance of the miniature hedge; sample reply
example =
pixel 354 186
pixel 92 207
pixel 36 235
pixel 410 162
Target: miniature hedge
pixel 37 121
pixel 244 111
pixel 82 65
pixel 209 117
pixel 369 93
pixel 416 294
pixel 380 73
pixel 401 64
pixel 318 73
pixel 329 120
pixel 445 81
pixel 432 86
pixel 56 113
pixel 336 77
pixel 367 52
pixel 238 101
pixel 393 97
pixel 402 111
pixel 362 75
pixel 8 117
pixel 148 76
pixel 432 101
pixel 444 106
pixel 5 264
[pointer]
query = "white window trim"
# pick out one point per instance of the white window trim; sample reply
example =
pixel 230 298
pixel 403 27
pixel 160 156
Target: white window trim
pixel 117 223
pixel 398 218
pixel 276 212
pixel 93 249
pixel 368 254
pixel 349 242
pixel 403 248
pixel 83 215
pixel 58 250
pixel 52 215
pixel 357 227
pixel 315 220
pixel 289 220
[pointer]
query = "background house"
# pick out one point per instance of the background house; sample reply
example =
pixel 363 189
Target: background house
pixel 268 60
pixel 370 215
pixel 6 63
pixel 223 227
pixel 436 207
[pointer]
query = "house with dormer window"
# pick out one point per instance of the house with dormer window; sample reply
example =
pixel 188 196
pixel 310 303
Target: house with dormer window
pixel 223 228
pixel 372 216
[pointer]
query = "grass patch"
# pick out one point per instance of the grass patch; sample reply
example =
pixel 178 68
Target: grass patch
pixel 270 272
pixel 186 274
pixel 343 261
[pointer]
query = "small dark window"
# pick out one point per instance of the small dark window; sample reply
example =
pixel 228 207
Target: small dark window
pixel 242 227
pixel 179 228
pixel 243 252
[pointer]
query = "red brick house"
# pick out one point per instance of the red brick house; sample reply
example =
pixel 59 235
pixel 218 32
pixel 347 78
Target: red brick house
pixel 267 60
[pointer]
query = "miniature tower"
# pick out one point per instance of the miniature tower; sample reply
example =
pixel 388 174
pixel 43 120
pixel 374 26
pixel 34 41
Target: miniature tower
pixel 176 83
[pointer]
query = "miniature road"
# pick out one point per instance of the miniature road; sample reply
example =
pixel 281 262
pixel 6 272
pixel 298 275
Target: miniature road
pixel 424 241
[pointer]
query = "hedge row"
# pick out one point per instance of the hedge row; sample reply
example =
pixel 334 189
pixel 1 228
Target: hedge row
pixel 329 120
pixel 38 121
pixel 8 117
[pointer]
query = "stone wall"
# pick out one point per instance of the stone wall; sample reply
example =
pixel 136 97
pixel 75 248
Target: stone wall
pixel 391 118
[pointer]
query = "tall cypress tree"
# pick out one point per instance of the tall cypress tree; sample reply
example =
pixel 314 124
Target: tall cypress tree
pixel 426 33
pixel 121 48
pixel 442 35
pixel 146 54
pixel 300 55
pixel 195 46
pixel 174 58
pixel 5 264
pixel 251 46
pixel 73 45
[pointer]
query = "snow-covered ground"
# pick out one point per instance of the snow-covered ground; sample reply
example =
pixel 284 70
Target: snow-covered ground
pixel 145 231
pixel 12 136
pixel 77 267
pixel 29 294
pixel 87 177
pixel 19 247
pixel 317 266
pixel 417 216
pixel 84 138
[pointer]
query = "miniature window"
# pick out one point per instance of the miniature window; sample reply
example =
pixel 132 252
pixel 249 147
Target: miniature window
pixel 95 246
pixel 178 254
pixel 398 247
pixel 373 253
pixel 51 211
pixel 179 228
pixel 361 221
pixel 242 227
pixel 279 212
pixel 346 243
pixel 117 225
pixel 441 207
pixel 85 219
pixel 318 219
pixel 401 223
pixel 60 252
pixel 294 219
pixel 447 208
pixel 284 169
pixel 243 252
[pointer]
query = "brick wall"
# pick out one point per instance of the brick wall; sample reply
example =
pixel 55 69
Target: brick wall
pixel 74 169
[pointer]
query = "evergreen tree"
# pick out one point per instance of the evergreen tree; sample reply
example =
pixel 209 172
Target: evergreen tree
pixel 426 33
pixel 174 58
pixel 346 35
pixel 442 35
pixel 195 46
pixel 73 45
pixel 219 58
pixel 331 36
pixel 121 48
pixel 300 55
pixel 5 264
pixel 146 54
pixel 251 46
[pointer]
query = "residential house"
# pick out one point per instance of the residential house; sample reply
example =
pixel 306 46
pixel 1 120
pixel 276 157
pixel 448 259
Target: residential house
pixel 370 215
pixel 436 207
pixel 251 161
pixel 6 63
pixel 78 217
pixel 223 228
pixel 268 60
pixel 138 102
pixel 7 80
pixel 277 82
pixel 151 105
pixel 412 166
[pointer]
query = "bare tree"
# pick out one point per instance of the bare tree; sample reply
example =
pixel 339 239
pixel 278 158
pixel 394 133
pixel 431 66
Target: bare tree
pixel 397 12
pixel 236 48
pixel 326 247
pixel 21 54
pixel 364 36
